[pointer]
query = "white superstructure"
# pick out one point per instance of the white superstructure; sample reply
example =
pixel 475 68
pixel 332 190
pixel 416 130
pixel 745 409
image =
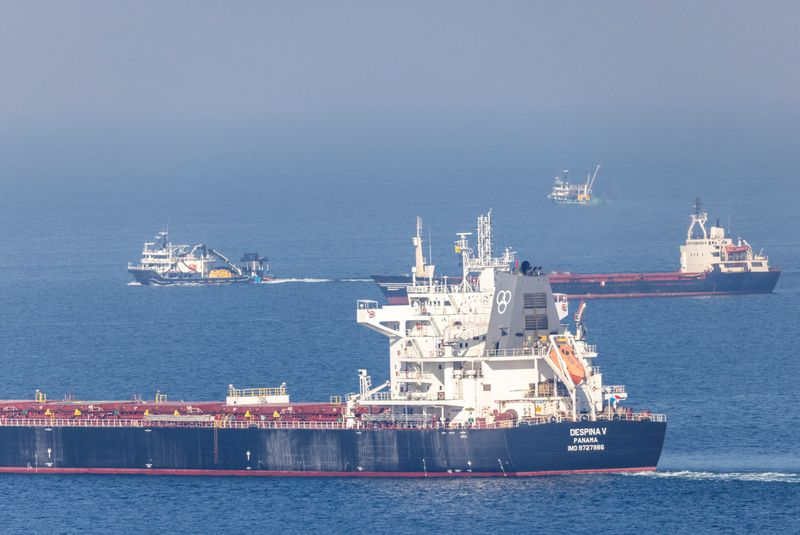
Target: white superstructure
pixel 706 249
pixel 165 263
pixel 163 257
pixel 455 360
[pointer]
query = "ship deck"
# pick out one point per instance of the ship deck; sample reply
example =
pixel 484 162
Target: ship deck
pixel 622 277
pixel 213 414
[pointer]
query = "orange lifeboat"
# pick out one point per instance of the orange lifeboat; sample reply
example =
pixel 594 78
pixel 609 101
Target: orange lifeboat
pixel 575 369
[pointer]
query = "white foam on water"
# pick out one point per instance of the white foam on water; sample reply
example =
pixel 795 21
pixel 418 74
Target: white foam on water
pixel 762 477
pixel 134 283
pixel 355 280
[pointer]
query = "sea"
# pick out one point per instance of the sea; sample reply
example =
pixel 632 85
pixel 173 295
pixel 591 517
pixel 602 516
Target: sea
pixel 725 370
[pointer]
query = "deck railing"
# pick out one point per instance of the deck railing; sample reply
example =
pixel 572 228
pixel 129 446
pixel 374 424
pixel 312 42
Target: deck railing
pixel 283 424
pixel 413 375
pixel 256 392
pixel 379 396
pixel 519 352
pixel 439 288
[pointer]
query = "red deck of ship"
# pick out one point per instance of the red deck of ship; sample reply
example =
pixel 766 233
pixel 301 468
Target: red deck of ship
pixel 621 277
pixel 135 410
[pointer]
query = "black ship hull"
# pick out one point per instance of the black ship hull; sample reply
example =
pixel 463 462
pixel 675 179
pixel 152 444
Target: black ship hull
pixel 550 448
pixel 618 285
pixel 148 277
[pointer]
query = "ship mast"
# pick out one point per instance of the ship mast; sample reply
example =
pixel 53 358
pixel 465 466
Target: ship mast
pixel 698 217
pixel 421 268
pixel 481 260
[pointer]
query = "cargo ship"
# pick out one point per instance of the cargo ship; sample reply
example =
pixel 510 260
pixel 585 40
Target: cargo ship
pixel 711 263
pixel 566 193
pixel 167 264
pixel 485 380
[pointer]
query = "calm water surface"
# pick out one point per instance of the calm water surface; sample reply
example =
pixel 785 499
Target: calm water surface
pixel 724 369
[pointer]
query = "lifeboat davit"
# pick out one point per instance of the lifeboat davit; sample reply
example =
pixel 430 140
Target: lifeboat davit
pixel 575 369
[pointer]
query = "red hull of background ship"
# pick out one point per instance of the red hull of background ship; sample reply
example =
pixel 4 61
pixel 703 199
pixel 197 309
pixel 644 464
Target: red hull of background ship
pixel 611 285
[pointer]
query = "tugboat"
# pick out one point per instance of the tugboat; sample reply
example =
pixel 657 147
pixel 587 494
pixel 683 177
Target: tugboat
pixel 167 264
pixel 711 263
pixel 484 380
pixel 566 193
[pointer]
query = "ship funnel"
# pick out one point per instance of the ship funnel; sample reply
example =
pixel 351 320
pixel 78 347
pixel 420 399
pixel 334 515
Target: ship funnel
pixel 522 310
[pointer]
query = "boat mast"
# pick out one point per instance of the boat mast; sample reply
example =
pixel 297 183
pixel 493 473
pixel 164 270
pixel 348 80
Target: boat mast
pixel 697 218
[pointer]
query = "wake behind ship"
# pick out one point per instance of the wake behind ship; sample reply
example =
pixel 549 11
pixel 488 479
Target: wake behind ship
pixel 167 264
pixel 711 263
pixel 484 380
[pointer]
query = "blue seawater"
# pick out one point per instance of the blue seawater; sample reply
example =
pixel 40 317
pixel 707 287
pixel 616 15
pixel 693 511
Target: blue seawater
pixel 724 369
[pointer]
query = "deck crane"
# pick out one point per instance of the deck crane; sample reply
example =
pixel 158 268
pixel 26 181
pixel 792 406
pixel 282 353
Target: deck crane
pixel 590 180
pixel 236 269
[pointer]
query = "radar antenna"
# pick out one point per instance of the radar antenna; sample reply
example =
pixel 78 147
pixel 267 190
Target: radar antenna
pixel 697 206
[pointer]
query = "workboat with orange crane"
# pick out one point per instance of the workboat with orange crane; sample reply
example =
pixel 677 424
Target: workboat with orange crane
pixel 566 193
pixel 167 264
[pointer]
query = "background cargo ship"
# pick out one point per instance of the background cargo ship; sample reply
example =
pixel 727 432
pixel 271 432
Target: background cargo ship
pixel 710 264
pixel 167 264
pixel 484 381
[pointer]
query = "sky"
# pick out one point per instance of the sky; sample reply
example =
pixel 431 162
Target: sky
pixel 321 92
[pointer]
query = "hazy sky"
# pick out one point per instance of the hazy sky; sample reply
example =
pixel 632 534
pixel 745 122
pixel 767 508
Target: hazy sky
pixel 118 88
